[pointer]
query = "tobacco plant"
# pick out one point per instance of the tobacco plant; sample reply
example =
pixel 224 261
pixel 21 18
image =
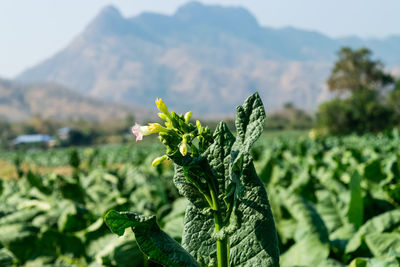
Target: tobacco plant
pixel 228 221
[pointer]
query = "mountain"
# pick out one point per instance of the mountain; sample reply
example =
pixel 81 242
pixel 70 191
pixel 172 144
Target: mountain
pixel 203 58
pixel 21 101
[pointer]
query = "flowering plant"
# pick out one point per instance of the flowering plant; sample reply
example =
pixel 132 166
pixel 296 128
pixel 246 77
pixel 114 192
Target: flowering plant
pixel 228 221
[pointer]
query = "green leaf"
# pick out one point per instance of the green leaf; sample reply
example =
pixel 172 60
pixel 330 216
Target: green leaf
pixel 311 235
pixel 111 250
pixel 309 221
pixel 173 222
pixel 19 216
pixel 307 252
pixel 331 209
pixel 381 244
pixel 331 263
pixel 17 237
pixel 252 234
pixel 249 122
pixel 355 212
pixel 374 262
pixel 378 224
pixel 6 257
pixel 187 189
pixel 359 262
pixel 219 155
pixel 153 242
pixel 373 171
pixel 36 181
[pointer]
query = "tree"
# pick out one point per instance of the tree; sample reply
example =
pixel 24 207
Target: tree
pixel 355 71
pixel 359 106
pixel 394 103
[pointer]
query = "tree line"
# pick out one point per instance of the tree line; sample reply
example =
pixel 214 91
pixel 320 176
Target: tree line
pixel 366 96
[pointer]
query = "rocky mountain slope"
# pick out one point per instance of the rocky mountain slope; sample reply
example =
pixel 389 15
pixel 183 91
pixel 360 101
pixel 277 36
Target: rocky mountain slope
pixel 203 58
pixel 22 101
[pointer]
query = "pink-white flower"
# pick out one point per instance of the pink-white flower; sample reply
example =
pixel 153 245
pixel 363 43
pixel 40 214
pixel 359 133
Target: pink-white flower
pixel 140 131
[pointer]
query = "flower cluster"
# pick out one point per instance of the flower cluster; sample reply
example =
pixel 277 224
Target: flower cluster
pixel 179 136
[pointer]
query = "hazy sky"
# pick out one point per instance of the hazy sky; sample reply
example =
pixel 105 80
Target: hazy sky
pixel 33 30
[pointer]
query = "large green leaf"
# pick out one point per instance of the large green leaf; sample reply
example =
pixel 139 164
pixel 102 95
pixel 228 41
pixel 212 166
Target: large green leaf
pixel 374 262
pixel 252 234
pixel 17 237
pixel 355 212
pixel 373 171
pixel 378 224
pixel 312 237
pixel 173 222
pixel 19 216
pixel 152 240
pixel 110 250
pixel 307 217
pixel 331 209
pixel 6 257
pixel 381 244
pixel 307 252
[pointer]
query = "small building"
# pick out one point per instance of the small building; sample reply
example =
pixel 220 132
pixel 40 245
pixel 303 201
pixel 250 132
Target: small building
pixel 40 139
pixel 63 133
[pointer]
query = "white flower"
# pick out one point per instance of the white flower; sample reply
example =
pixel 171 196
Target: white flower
pixel 140 131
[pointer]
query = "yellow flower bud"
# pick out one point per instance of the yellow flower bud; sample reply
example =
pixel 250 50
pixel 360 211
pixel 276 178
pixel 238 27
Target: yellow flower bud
pixel 156 128
pixel 188 115
pixel 199 127
pixel 183 147
pixel 162 107
pixel 158 160
pixel 162 116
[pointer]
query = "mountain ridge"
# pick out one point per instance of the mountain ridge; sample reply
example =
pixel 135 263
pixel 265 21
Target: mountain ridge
pixel 201 54
pixel 20 102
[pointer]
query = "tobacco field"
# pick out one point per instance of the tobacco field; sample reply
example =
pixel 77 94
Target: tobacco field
pixel 335 201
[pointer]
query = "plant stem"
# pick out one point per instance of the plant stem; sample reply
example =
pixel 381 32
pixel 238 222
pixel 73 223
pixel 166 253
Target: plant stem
pixel 222 245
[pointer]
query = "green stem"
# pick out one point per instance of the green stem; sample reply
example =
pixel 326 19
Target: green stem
pixel 222 245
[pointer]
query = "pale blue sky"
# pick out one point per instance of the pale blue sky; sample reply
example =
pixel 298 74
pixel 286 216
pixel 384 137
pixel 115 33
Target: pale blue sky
pixel 33 30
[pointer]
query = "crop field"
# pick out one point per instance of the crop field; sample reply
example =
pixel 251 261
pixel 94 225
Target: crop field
pixel 335 201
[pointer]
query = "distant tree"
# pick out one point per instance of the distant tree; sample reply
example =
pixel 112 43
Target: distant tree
pixel 288 105
pixel 6 133
pixel 129 122
pixel 359 106
pixel 394 103
pixel 355 71
pixel 289 118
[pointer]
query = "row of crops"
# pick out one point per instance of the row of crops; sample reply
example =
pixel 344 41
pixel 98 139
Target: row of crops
pixel 336 201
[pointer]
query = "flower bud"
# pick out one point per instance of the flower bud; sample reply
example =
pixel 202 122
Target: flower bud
pixel 162 116
pixel 162 107
pixel 156 128
pixel 183 147
pixel 188 115
pixel 158 160
pixel 199 127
